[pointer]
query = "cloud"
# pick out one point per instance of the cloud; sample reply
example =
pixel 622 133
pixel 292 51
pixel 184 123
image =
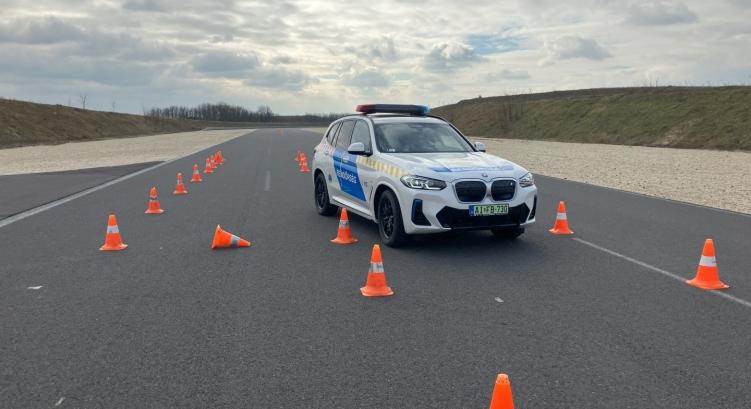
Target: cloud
pixel 507 74
pixel 381 49
pixel 278 78
pixel 224 64
pixel 369 77
pixel 449 56
pixel 492 44
pixel 44 30
pixel 655 13
pixel 144 5
pixel 569 47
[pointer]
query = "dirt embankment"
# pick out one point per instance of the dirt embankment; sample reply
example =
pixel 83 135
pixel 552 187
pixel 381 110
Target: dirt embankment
pixel 677 117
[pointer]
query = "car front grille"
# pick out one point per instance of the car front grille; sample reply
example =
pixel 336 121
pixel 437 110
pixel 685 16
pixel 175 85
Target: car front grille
pixel 503 189
pixel 470 191
pixel 460 219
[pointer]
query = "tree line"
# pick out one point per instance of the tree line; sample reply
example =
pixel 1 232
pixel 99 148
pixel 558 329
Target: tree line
pixel 233 113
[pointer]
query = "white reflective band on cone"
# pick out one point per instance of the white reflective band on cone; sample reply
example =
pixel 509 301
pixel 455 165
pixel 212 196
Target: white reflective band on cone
pixel 708 261
pixel 234 241
pixel 343 223
pixel 112 229
pixel 561 216
pixel 376 267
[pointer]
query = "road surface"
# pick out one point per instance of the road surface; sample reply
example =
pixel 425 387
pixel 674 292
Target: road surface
pixel 589 321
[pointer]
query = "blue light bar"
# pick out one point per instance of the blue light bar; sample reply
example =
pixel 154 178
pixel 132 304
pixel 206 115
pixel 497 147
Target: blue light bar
pixel 392 109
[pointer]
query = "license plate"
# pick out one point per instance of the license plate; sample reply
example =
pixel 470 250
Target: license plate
pixel 488 210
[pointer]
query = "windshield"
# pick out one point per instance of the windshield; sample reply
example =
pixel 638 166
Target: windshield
pixel 419 138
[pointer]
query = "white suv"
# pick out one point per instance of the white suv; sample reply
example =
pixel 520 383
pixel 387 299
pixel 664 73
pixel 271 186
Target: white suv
pixel 413 173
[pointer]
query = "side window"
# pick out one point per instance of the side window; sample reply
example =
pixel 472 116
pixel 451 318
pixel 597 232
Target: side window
pixel 361 133
pixel 345 134
pixel 332 133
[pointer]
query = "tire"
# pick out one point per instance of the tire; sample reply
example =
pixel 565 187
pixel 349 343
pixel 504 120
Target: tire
pixel 390 225
pixel 321 197
pixel 508 233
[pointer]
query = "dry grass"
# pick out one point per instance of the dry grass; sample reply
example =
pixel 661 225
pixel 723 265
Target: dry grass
pixel 679 117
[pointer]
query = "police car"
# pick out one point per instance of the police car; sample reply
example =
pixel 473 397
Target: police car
pixel 413 173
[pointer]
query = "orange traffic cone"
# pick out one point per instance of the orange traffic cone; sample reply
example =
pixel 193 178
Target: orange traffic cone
pixel 207 169
pixel 225 239
pixel 707 275
pixel 302 158
pixel 196 175
pixel 344 235
pixel 304 167
pixel 180 187
pixel 219 158
pixel 212 160
pixel 297 156
pixel 561 221
pixel 154 207
pixel 376 285
pixel 502 398
pixel 112 241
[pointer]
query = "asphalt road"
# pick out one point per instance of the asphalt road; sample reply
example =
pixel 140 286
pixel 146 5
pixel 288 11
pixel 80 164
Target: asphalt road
pixel 170 323
pixel 23 192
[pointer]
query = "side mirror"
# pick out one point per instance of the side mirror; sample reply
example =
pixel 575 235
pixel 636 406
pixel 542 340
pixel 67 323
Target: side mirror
pixel 357 148
pixel 480 146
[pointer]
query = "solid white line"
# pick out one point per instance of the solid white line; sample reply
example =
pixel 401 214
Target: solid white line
pixel 661 271
pixel 40 209
pixel 267 183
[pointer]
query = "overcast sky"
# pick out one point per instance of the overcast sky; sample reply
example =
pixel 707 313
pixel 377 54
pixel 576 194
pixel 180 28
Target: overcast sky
pixel 326 56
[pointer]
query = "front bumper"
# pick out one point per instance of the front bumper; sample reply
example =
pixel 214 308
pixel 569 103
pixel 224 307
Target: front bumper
pixel 438 211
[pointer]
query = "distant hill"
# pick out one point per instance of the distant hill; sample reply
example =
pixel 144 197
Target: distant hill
pixel 28 123
pixel 680 117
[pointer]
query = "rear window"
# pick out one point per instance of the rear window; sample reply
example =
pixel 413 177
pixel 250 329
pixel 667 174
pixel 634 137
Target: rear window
pixel 415 137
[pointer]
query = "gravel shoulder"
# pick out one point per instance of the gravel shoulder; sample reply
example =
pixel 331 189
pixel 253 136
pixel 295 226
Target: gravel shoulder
pixel 718 179
pixel 109 152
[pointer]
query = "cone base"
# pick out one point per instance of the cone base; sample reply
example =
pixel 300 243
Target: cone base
pixel 305 171
pixel 113 248
pixel 149 211
pixel 340 240
pixel 719 285
pixel 376 291
pixel 562 232
pixel 196 181
pixel 177 193
pixel 239 245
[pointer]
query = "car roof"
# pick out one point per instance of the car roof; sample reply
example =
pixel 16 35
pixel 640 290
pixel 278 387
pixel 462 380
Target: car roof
pixel 396 118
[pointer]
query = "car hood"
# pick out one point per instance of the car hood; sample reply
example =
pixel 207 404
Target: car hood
pixel 450 166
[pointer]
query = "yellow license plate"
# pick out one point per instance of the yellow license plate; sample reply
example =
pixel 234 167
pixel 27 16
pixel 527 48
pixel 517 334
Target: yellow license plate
pixel 488 210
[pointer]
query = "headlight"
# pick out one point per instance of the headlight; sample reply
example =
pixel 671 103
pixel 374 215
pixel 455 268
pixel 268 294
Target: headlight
pixel 526 180
pixel 419 182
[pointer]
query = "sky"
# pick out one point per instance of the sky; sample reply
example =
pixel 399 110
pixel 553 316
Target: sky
pixel 327 56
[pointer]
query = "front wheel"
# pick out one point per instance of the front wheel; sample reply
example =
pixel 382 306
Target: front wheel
pixel 390 224
pixel 323 205
pixel 508 233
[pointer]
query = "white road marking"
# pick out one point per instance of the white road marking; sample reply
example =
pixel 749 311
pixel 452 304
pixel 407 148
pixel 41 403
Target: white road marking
pixel 661 271
pixel 498 299
pixel 60 401
pixel 34 288
pixel 40 209
pixel 267 183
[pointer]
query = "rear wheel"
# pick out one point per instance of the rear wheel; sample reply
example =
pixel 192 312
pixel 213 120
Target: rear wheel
pixel 508 233
pixel 321 196
pixel 390 224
